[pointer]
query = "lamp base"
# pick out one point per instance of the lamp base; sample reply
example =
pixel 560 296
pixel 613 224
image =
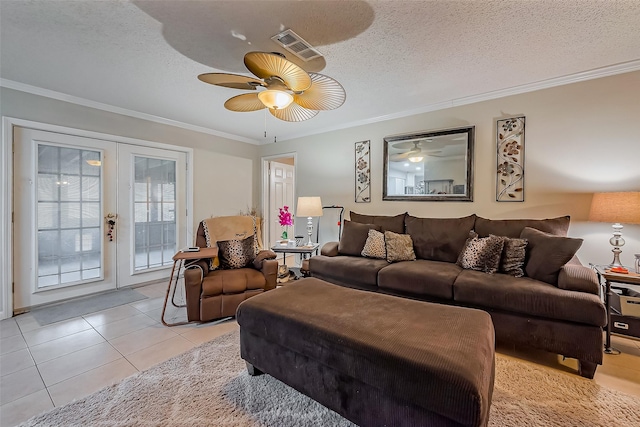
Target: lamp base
pixel 309 230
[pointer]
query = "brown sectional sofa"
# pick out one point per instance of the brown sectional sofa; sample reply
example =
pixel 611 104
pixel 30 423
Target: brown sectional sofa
pixel 565 316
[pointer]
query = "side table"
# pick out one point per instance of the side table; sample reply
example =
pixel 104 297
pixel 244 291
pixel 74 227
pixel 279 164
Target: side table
pixel 609 277
pixel 304 251
pixel 181 260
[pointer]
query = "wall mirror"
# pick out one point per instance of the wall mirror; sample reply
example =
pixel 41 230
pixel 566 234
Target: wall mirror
pixel 434 166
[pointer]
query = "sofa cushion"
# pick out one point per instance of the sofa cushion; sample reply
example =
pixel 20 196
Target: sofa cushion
pixel 386 223
pixel 513 227
pixel 481 253
pixel 523 295
pixel 348 270
pixel 546 254
pixel 513 257
pixel 399 247
pixel 439 239
pixel 375 246
pixel 420 278
pixel 354 235
pixel 236 253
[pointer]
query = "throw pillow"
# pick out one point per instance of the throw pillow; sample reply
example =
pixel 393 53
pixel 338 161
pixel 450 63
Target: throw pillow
pixel 546 254
pixel 374 247
pixel 354 236
pixel 399 247
pixel 236 253
pixel 481 254
pixel 513 256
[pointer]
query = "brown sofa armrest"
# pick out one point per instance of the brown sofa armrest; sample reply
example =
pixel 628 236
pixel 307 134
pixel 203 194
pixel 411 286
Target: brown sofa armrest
pixel 270 272
pixel 576 277
pixel 329 249
pixel 261 257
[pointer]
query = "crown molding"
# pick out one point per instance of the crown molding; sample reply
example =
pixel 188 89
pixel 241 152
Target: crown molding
pixel 11 84
pixel 597 73
pixel 611 70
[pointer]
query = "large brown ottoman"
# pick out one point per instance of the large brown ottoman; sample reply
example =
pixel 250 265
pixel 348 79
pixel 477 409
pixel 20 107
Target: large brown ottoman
pixel 374 359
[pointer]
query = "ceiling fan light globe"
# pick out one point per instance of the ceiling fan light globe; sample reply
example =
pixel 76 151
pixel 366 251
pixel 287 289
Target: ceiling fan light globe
pixel 415 159
pixel 275 99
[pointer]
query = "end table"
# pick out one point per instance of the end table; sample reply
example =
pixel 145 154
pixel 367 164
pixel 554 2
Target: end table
pixel 610 277
pixel 182 259
pixel 304 251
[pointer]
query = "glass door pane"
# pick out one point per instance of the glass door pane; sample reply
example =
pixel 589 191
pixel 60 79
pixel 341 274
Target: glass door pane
pixel 154 200
pixel 69 202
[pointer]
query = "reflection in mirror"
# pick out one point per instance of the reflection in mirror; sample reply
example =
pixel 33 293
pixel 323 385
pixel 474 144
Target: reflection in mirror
pixel 436 166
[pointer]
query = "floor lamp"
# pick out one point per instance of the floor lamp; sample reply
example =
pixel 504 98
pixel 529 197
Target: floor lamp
pixel 617 208
pixel 309 207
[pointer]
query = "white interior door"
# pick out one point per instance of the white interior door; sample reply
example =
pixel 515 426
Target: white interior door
pixel 152 212
pixel 63 187
pixel 281 187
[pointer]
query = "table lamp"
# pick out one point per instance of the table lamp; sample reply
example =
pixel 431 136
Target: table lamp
pixel 309 207
pixel 618 208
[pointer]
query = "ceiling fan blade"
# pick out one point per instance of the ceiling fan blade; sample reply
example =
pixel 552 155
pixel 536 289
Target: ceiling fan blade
pixel 234 81
pixel 293 113
pixel 244 103
pixel 324 94
pixel 266 65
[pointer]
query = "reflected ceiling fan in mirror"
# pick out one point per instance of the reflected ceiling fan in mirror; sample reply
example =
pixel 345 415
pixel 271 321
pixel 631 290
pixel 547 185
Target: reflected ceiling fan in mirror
pixel 415 154
pixel 289 92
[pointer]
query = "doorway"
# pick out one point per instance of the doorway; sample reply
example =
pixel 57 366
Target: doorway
pixel 93 214
pixel 279 182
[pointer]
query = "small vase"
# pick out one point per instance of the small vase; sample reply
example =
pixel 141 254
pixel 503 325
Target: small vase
pixel 284 234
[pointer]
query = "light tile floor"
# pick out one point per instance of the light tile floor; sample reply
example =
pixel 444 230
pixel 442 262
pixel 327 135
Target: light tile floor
pixel 46 366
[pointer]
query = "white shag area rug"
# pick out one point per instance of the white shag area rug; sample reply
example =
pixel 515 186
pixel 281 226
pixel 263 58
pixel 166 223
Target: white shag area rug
pixel 209 386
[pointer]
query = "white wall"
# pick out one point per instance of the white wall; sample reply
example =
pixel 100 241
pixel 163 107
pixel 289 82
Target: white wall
pixel 226 177
pixel 580 139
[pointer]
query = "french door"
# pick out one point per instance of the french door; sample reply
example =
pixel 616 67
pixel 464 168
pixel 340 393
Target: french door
pixel 151 212
pixel 92 215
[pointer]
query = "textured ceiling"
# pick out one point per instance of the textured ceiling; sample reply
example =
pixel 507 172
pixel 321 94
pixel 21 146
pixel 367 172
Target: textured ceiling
pixel 392 57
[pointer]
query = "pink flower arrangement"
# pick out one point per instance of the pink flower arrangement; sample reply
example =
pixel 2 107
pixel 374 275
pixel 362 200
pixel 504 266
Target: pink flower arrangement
pixel 285 216
pixel 286 219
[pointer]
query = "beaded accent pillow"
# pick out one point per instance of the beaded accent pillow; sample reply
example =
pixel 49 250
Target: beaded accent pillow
pixel 374 247
pixel 399 247
pixel 481 254
pixel 236 253
pixel 513 256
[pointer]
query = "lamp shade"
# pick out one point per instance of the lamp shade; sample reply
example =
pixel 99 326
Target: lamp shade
pixel 309 206
pixel 622 207
pixel 275 99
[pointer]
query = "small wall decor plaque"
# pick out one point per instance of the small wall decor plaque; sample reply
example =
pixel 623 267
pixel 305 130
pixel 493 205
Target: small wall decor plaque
pixel 510 152
pixel 363 172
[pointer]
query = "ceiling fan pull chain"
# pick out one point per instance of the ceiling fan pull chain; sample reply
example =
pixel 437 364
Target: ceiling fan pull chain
pixel 265 122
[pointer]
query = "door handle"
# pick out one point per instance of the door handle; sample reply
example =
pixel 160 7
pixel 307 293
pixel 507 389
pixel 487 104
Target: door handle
pixel 111 225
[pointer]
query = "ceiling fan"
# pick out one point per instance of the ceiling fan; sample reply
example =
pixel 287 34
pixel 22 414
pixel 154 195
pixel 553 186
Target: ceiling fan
pixel 415 154
pixel 290 93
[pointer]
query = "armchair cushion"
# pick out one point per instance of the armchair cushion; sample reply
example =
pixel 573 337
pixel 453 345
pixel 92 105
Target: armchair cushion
pixel 236 253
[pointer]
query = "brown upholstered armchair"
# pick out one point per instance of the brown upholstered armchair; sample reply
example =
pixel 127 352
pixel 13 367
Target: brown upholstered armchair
pixel 215 294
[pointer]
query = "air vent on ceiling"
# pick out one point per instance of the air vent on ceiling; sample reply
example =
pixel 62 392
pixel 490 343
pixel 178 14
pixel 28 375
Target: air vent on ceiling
pixel 296 45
